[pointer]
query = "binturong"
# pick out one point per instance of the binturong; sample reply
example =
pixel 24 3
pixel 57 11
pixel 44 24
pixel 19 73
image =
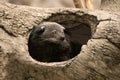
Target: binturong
pixel 50 42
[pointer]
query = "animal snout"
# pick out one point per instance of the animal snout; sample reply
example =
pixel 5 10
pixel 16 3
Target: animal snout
pixel 62 38
pixel 58 35
pixel 54 31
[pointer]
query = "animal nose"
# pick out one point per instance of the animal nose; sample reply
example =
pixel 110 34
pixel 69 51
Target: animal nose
pixel 62 38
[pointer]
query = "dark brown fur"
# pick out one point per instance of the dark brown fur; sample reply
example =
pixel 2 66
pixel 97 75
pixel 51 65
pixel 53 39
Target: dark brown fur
pixel 49 42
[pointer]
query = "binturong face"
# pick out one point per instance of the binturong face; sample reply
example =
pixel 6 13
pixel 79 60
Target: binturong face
pixel 49 42
pixel 49 32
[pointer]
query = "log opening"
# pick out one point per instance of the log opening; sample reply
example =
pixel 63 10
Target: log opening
pixel 80 30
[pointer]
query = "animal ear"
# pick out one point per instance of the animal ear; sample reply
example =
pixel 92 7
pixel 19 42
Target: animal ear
pixel 80 33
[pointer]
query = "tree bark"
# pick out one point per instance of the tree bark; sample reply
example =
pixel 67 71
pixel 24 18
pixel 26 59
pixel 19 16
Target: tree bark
pixel 111 5
pixel 99 59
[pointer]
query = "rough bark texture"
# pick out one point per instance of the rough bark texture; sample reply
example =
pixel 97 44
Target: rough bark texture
pixel 111 5
pixel 99 59
pixel 42 3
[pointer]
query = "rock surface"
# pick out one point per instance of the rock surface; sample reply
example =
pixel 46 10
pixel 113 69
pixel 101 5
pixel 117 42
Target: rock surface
pixel 99 59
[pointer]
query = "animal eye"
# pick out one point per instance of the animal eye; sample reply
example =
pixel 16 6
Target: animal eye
pixel 41 30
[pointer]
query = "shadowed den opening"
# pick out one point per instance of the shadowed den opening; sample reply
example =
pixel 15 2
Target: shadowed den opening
pixel 57 39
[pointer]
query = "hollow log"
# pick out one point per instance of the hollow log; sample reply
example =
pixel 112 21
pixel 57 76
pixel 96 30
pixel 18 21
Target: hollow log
pixel 111 5
pixel 99 58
